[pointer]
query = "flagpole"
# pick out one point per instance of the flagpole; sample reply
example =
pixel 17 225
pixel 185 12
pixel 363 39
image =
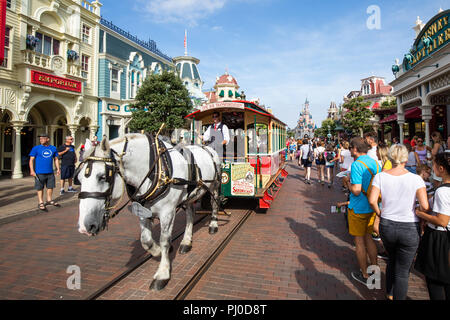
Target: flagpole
pixel 185 42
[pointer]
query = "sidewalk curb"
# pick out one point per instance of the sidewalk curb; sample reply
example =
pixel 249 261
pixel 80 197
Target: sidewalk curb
pixel 33 212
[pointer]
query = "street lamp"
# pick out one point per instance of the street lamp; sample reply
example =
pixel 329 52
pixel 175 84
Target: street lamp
pixel 109 121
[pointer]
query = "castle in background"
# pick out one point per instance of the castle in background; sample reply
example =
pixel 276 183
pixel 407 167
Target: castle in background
pixel 305 123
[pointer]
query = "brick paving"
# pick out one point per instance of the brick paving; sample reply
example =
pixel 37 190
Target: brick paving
pixel 36 251
pixel 18 199
pixel 298 250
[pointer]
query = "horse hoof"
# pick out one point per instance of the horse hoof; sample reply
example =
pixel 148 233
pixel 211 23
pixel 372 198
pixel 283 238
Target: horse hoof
pixel 185 248
pixel 213 230
pixel 158 285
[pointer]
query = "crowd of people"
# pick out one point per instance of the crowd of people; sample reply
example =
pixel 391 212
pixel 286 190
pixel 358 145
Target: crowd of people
pixel 397 206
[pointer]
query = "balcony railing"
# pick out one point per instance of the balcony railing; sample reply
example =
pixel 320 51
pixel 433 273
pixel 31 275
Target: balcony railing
pixel 149 45
pixel 35 59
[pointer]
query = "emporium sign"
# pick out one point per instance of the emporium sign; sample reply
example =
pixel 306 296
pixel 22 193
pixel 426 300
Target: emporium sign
pixel 49 80
pixel 435 35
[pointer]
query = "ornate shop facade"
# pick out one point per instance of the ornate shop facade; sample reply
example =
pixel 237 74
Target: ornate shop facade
pixel 422 84
pixel 48 77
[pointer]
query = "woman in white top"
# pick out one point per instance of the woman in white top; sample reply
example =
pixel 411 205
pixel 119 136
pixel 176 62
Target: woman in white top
pixel 319 155
pixel 398 224
pixel 433 256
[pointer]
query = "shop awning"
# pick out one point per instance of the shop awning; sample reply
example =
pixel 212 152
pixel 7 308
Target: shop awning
pixel 413 113
pixel 392 117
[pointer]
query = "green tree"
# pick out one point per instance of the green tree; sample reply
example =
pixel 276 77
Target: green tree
pixel 357 117
pixel 328 126
pixel 162 99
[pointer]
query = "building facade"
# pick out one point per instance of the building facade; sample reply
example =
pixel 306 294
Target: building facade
pixel 422 84
pixel 48 79
pixel 124 61
pixel 187 69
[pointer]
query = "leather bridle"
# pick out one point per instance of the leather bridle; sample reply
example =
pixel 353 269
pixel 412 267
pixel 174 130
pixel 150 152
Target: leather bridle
pixel 112 167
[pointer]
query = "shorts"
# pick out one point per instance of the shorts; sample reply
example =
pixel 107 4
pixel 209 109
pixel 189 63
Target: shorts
pixel 320 162
pixel 67 172
pixel 47 180
pixel 306 163
pixel 360 224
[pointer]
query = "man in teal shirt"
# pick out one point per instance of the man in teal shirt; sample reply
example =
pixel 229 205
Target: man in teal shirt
pixel 360 215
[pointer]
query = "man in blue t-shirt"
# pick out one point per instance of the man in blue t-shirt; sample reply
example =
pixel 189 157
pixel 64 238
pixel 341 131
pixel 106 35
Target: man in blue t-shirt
pixel 360 215
pixel 41 167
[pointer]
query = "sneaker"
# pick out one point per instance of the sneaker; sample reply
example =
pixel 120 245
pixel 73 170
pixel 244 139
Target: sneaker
pixel 308 181
pixel 358 276
pixel 61 192
pixel 383 256
pixel 71 190
pixel 375 237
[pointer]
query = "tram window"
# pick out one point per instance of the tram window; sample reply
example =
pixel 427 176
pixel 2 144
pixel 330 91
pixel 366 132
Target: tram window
pixel 257 143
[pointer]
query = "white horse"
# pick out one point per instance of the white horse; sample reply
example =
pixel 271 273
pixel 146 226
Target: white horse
pixel 130 156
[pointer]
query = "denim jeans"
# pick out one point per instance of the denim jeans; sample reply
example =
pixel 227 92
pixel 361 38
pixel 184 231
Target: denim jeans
pixel 401 240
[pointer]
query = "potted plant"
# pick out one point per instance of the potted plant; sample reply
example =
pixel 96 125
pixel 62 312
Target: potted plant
pixel 31 42
pixel 72 55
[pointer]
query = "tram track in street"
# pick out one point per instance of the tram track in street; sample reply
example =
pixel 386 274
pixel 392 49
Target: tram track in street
pixel 188 285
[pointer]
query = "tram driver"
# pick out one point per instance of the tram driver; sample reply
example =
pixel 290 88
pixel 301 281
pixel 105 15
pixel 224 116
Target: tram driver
pixel 217 135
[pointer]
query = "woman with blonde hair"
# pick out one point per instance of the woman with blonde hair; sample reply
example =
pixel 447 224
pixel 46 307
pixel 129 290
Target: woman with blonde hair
pixel 398 224
pixel 382 154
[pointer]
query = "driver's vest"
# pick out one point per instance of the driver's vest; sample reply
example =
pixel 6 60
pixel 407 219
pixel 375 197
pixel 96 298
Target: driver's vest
pixel 218 138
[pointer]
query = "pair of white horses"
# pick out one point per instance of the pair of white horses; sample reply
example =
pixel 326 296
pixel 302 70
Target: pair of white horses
pixel 134 165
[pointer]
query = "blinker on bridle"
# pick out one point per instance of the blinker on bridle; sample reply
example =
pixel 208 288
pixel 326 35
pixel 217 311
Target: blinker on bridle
pixel 110 172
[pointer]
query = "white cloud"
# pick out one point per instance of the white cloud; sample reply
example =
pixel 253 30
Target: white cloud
pixel 181 11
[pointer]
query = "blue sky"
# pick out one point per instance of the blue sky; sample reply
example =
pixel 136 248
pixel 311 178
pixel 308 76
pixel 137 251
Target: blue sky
pixel 280 51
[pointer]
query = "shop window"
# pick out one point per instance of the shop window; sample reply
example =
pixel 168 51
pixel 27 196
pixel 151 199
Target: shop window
pixel 7 46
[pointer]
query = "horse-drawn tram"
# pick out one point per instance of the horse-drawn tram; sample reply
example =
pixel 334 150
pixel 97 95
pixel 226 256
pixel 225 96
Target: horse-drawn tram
pixel 253 160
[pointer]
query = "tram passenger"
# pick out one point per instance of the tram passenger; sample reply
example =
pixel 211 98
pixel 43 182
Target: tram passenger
pixel 217 134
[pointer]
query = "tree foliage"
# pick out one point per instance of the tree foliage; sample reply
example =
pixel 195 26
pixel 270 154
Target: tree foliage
pixel 162 99
pixel 328 126
pixel 357 116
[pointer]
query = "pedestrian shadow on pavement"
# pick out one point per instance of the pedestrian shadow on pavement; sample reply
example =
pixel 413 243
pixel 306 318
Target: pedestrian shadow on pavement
pixel 321 286
pixel 334 256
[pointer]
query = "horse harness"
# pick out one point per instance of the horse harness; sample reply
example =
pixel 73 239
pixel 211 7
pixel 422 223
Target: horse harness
pixel 160 175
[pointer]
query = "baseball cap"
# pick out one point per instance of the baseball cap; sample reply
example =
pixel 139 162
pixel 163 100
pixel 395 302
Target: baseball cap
pixel 43 135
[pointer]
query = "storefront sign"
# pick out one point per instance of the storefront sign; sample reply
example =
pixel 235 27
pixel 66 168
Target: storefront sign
pixel 435 35
pixel 2 29
pixel 218 105
pixel 242 179
pixel 49 80
pixel 113 107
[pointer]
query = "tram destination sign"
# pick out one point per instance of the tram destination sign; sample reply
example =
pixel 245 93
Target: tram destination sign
pixel 49 80
pixel 222 105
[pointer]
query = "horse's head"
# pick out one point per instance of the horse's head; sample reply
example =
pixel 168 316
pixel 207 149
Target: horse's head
pixel 100 183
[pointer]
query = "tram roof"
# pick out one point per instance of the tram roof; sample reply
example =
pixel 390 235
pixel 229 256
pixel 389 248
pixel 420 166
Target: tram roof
pixel 236 105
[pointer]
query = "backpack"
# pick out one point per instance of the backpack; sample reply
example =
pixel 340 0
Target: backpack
pixel 321 156
pixel 310 154
pixel 369 189
pixel 329 156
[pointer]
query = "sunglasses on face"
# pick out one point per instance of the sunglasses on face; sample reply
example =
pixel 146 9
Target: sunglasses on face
pixel 419 141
